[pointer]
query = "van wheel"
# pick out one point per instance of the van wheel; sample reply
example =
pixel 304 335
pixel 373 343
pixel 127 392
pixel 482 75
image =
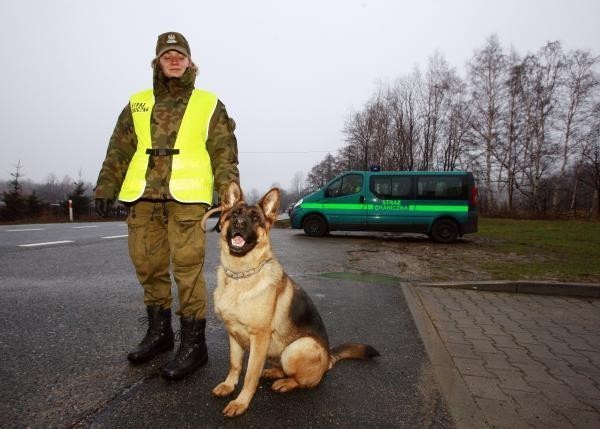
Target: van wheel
pixel 444 231
pixel 314 226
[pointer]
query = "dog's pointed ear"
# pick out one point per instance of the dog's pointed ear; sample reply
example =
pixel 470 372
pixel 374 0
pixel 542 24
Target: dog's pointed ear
pixel 232 196
pixel 270 204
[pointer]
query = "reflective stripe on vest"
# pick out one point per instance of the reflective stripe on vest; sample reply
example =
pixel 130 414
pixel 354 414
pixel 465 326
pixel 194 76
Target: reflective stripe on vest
pixel 191 173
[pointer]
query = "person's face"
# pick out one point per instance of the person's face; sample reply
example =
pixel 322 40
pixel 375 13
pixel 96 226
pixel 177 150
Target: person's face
pixel 173 63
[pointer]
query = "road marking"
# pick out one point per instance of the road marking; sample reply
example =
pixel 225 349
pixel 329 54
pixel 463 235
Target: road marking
pixel 89 226
pixel 46 243
pixel 20 230
pixel 115 236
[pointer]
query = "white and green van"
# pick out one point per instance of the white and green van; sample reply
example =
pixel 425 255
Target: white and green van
pixel 442 205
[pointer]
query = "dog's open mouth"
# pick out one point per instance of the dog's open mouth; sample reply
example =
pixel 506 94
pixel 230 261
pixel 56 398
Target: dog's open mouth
pixel 237 241
pixel 240 241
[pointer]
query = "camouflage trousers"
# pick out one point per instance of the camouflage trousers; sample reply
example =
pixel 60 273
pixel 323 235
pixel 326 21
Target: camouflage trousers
pixel 165 237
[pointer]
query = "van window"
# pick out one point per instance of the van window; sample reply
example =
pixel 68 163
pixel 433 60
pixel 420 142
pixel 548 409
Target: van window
pixel 346 185
pixel 391 187
pixel 442 187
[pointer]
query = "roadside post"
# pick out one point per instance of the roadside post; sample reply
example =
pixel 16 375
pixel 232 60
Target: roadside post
pixel 70 210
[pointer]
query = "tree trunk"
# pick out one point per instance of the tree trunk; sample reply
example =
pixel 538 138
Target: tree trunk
pixel 594 212
pixel 573 205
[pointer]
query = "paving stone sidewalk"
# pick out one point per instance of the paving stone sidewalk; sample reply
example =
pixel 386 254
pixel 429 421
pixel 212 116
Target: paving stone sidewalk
pixel 512 360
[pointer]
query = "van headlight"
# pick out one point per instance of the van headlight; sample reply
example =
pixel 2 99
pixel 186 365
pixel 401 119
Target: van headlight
pixel 298 202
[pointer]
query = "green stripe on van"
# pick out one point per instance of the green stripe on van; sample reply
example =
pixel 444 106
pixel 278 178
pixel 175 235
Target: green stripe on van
pixel 437 208
pixel 463 208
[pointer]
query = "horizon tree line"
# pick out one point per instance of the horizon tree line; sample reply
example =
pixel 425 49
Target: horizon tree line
pixel 25 200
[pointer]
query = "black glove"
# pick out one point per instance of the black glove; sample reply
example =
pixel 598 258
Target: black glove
pixel 103 206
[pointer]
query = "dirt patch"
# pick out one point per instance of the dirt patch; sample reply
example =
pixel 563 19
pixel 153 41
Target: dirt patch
pixel 389 262
pixel 415 258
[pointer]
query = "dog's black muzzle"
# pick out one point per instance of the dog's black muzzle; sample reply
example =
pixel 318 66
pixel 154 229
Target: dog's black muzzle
pixel 241 236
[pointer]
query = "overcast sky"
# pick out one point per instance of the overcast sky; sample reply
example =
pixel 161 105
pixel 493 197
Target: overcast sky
pixel 289 72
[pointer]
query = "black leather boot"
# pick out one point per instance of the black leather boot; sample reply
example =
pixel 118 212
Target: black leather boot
pixel 192 352
pixel 159 336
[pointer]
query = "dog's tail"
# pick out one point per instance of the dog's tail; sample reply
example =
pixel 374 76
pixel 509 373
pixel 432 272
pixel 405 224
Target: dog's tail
pixel 351 351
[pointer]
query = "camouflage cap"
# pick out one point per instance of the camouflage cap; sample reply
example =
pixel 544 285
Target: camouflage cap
pixel 172 41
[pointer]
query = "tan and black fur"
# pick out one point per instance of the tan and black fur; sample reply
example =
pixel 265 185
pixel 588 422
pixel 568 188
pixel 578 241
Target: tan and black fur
pixel 264 311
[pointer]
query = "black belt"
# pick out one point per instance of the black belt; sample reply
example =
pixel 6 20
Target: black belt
pixel 162 152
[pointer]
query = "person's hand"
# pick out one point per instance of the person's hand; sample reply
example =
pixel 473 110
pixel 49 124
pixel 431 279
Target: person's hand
pixel 103 206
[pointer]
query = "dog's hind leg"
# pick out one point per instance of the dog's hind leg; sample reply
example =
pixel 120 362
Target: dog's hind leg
pixel 304 362
pixel 273 373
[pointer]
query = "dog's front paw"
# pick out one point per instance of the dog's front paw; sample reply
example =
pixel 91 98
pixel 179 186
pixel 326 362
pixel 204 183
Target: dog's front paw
pixel 223 389
pixel 235 408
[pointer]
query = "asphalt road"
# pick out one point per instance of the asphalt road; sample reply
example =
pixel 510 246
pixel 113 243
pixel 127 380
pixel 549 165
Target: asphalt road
pixel 69 309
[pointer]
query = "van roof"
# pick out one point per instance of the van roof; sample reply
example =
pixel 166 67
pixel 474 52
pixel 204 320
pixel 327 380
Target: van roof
pixel 412 173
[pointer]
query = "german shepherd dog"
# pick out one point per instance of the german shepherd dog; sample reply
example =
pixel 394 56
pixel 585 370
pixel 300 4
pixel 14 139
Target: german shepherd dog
pixel 264 311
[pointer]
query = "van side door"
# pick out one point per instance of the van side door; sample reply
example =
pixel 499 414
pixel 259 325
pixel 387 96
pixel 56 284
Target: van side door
pixel 390 201
pixel 344 202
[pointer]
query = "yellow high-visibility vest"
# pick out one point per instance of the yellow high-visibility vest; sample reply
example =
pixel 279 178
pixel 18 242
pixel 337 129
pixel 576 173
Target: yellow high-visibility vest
pixel 191 174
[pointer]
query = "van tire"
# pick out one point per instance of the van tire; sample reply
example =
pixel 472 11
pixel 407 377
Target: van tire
pixel 314 226
pixel 444 231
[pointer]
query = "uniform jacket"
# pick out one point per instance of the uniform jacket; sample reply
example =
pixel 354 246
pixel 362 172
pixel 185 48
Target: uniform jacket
pixel 171 97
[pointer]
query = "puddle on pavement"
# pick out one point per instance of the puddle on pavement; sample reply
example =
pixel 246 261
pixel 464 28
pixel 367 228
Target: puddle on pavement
pixel 363 277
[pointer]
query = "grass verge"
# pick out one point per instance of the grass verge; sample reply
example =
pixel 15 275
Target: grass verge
pixel 561 250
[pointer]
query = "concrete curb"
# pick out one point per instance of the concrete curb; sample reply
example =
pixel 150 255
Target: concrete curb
pixel 584 290
pixel 465 412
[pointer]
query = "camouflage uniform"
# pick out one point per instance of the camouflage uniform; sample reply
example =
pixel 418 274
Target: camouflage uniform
pixel 163 231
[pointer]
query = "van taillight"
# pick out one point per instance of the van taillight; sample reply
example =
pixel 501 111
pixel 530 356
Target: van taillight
pixel 473 197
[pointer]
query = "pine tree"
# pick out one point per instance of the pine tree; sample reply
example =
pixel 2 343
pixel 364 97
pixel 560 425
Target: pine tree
pixel 15 206
pixel 81 202
pixel 35 206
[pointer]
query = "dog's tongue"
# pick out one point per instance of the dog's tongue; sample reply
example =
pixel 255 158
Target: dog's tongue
pixel 238 241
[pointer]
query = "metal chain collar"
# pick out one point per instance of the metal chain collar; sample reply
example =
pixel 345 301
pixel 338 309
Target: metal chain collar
pixel 247 273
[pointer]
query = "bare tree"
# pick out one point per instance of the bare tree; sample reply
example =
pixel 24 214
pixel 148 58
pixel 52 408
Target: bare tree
pixel 579 85
pixel 346 159
pixel 252 196
pixel 509 148
pixel 321 173
pixel 591 158
pixel 360 133
pixel 487 76
pixel 54 191
pixel 297 188
pixel 435 91
pixel 458 126
pixel 404 124
pixel 541 90
pixel 381 139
